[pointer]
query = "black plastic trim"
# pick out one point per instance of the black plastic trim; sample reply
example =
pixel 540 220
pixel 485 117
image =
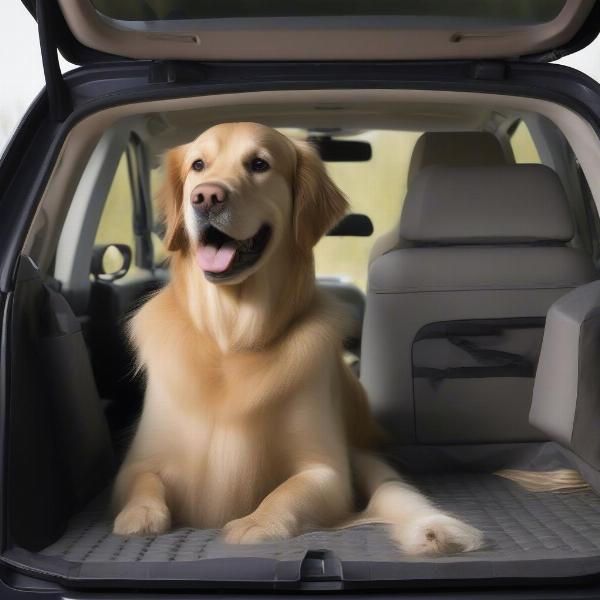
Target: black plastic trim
pixel 253 574
pixel 5 312
pixel 139 182
pixel 56 89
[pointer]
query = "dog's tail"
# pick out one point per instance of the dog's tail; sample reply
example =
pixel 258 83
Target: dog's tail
pixel 560 480
pixel 417 526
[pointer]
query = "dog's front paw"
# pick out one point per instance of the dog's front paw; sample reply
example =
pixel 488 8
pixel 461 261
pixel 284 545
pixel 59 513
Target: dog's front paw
pixel 143 519
pixel 252 530
pixel 439 534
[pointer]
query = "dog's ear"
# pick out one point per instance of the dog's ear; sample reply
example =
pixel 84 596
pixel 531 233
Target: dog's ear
pixel 171 199
pixel 318 203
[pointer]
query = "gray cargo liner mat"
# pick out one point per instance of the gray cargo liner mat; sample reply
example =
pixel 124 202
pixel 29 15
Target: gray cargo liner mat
pixel 528 535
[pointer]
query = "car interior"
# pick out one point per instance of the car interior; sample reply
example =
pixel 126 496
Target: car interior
pixel 470 272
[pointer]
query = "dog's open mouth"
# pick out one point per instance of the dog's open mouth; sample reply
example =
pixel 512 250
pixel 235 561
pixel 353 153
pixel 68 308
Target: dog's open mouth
pixel 220 256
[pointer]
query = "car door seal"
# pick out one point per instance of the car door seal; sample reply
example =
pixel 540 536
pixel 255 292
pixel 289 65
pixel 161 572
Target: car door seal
pixel 489 70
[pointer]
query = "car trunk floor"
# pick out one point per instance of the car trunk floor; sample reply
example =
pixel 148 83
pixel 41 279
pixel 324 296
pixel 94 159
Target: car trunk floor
pixel 527 534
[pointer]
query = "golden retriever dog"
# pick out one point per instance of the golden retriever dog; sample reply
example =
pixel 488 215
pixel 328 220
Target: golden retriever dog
pixel 252 422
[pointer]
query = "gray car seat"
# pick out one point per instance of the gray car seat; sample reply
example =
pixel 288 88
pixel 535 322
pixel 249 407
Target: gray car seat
pixel 454 321
pixel 450 149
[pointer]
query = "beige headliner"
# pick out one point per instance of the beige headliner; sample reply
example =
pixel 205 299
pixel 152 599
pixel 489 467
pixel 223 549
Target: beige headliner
pixel 251 41
pixel 170 128
pixel 84 136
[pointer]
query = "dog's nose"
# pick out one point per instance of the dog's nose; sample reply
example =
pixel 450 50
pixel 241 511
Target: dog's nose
pixel 206 195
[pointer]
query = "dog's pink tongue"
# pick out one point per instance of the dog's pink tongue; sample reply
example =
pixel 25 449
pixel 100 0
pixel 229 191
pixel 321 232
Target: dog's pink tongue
pixel 216 260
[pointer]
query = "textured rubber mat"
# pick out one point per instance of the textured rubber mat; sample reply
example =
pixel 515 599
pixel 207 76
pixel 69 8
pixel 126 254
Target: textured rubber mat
pixel 527 534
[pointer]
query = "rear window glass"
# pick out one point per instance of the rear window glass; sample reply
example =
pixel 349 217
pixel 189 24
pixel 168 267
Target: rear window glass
pixel 376 188
pixel 523 146
pixel 498 11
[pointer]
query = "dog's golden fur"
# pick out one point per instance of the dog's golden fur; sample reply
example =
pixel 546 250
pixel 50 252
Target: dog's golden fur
pixel 252 421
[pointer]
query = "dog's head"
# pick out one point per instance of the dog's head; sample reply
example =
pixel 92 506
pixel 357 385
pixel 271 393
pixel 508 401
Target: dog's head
pixel 240 194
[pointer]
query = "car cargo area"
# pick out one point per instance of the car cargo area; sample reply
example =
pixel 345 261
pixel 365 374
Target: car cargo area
pixel 527 535
pixel 475 333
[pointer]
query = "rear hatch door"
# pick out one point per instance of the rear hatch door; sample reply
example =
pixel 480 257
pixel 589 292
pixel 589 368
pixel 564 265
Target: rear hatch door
pixel 325 30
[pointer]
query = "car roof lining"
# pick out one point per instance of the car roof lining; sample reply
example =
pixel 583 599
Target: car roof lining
pixel 170 128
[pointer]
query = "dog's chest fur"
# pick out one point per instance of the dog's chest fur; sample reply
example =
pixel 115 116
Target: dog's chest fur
pixel 216 442
pixel 219 471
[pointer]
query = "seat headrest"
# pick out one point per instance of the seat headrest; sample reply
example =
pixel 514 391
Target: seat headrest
pixel 508 204
pixel 455 149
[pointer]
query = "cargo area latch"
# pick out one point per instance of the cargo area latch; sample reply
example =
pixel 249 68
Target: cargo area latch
pixel 320 565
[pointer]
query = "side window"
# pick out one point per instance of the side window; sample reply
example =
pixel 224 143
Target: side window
pixel 376 188
pixel 523 146
pixel 116 222
pixel 128 209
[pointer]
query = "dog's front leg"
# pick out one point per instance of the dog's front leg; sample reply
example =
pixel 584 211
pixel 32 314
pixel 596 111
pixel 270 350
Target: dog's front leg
pixel 144 511
pixel 316 496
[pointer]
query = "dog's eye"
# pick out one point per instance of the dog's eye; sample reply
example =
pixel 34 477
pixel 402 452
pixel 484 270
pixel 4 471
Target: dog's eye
pixel 259 165
pixel 198 165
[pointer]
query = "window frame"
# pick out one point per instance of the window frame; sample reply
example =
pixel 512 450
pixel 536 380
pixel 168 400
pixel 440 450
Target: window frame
pixel 139 183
